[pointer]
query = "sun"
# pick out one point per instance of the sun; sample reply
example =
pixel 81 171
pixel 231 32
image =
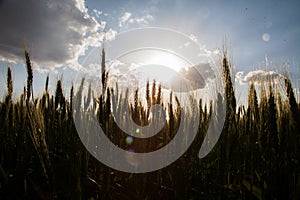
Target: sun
pixel 166 59
pixel 161 65
pixel 154 63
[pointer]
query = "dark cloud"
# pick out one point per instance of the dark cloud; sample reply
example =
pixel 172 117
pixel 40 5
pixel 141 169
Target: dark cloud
pixel 56 32
pixel 192 78
pixel 185 80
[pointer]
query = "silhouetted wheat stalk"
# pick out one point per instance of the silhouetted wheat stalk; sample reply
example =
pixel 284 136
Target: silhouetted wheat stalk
pixel 41 155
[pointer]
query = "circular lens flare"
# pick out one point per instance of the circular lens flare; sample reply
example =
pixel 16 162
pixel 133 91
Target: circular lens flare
pixel 129 140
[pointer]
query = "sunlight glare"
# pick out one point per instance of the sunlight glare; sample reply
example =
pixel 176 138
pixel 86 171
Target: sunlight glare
pixel 158 64
pixel 167 59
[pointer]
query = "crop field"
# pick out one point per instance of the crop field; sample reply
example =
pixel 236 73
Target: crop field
pixel 42 156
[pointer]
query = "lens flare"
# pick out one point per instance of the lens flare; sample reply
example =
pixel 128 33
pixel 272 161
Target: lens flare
pixel 266 37
pixel 129 140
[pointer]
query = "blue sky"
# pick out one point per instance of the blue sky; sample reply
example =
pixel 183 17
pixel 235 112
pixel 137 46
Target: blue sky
pixel 253 30
pixel 242 22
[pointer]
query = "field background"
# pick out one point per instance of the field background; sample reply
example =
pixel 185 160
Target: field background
pixel 42 157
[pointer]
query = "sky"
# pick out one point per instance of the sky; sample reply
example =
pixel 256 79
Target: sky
pixel 59 34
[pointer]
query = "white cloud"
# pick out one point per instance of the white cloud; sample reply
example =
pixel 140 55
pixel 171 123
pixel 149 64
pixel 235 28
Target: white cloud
pixel 55 32
pixel 127 18
pixel 141 20
pixel 193 38
pixel 258 76
pixel 41 70
pixel 97 13
pixel 102 25
pixel 110 34
pixel 114 63
pixel 80 4
pixel 124 18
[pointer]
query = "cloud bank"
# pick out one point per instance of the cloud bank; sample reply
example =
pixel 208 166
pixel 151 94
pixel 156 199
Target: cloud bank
pixel 257 76
pixel 55 32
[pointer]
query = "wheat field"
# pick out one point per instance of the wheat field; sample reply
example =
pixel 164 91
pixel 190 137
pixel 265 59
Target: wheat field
pixel 42 157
